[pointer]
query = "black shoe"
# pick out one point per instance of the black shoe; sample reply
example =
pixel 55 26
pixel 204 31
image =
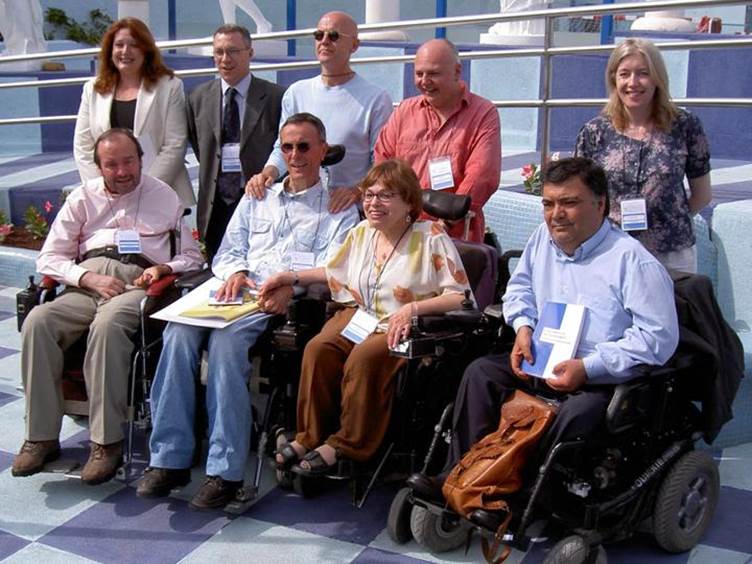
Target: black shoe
pixel 214 493
pixel 158 482
pixel 427 487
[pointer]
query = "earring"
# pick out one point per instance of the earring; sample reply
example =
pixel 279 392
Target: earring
pixel 408 219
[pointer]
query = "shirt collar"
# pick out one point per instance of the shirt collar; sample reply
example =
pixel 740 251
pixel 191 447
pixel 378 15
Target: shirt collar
pixel 241 87
pixel 587 248
pixel 278 189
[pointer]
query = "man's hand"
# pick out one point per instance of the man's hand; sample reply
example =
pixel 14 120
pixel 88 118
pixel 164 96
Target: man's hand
pixel 570 376
pixel 521 350
pixel 342 198
pixel 151 275
pixel 258 183
pixel 400 323
pixel 275 301
pixel 275 281
pixel 233 286
pixel 106 286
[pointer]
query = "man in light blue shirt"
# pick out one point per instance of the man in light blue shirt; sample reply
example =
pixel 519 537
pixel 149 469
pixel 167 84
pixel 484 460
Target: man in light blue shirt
pixel 576 257
pixel 290 229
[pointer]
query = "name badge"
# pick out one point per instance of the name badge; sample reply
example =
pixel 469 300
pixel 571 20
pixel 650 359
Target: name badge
pixel 440 171
pixel 361 325
pixel 231 157
pixel 128 242
pixel 301 260
pixel 634 216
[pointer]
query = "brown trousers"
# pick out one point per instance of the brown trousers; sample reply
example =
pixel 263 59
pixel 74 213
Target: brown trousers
pixel 346 391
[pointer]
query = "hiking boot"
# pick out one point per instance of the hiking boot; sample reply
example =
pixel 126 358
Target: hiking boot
pixel 103 463
pixel 33 456
pixel 158 482
pixel 215 493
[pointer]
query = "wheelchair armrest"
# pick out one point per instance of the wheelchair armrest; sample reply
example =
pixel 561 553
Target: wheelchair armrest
pixel 48 283
pixel 319 292
pixel 160 286
pixel 634 401
pixel 193 279
pixel 493 311
pixel 452 320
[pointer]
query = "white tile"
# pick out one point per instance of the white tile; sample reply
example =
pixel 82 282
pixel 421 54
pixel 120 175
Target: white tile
pixel 37 173
pixel 734 467
pixel 10 338
pixel 35 505
pixel 10 373
pixel 35 553
pixel 9 292
pixel 246 540
pixel 703 554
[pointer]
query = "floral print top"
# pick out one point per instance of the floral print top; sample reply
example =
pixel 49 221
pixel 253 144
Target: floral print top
pixel 425 265
pixel 654 169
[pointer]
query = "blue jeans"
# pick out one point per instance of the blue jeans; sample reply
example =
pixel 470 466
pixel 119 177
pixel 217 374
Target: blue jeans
pixel 228 402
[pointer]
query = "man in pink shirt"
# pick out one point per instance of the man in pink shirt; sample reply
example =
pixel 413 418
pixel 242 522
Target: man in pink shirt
pixel 450 136
pixel 109 241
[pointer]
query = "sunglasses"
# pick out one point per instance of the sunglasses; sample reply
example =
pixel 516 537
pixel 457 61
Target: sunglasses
pixel 301 147
pixel 334 35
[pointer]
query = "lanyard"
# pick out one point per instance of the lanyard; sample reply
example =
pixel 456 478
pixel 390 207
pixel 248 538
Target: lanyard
pixel 288 220
pixel 370 294
pixel 112 211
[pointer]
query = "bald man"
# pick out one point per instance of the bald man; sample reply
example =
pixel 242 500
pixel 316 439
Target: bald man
pixel 450 136
pixel 352 109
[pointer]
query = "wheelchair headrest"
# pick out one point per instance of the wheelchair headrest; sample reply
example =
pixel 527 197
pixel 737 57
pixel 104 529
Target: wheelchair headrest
pixel 445 205
pixel 334 154
pixel 480 262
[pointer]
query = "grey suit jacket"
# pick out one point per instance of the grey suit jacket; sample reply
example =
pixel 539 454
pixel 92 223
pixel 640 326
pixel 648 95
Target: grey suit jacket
pixel 257 134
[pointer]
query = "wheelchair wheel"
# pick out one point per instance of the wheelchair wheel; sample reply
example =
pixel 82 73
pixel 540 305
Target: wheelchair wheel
pixel 436 532
pixel 305 486
pixel 686 502
pixel 575 550
pixel 398 523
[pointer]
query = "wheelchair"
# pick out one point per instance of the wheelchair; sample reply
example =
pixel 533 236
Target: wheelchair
pixel 437 351
pixel 641 471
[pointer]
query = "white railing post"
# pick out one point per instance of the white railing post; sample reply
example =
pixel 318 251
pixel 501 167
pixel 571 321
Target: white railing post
pixel 548 38
pixel 134 9
pixel 378 11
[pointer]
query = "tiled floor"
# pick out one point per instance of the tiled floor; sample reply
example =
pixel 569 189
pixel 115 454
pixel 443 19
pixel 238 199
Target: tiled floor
pixel 50 518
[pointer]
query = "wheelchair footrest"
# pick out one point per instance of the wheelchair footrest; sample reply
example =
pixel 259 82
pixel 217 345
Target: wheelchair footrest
pixel 244 498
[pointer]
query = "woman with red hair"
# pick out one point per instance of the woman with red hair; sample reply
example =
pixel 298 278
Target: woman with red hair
pixel 134 89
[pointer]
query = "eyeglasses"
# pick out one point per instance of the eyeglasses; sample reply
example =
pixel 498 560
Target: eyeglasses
pixel 383 197
pixel 334 35
pixel 301 147
pixel 232 52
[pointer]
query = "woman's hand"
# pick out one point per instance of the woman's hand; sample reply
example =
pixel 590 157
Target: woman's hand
pixel 151 275
pixel 400 324
pixel 276 281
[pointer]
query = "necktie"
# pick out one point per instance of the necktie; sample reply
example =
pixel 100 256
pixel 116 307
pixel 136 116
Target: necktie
pixel 228 183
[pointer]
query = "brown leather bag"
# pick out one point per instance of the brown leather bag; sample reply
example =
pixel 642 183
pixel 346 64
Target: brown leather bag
pixel 493 467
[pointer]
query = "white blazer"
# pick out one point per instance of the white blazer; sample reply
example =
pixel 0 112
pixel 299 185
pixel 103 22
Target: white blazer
pixel 160 115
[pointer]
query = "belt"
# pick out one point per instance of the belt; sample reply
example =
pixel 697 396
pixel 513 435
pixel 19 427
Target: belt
pixel 112 253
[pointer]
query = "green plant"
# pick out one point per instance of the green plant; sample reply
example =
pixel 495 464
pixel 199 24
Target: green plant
pixel 532 175
pixel 90 32
pixel 36 223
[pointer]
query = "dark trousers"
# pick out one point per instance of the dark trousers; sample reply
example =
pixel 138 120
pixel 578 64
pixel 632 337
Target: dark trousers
pixel 220 217
pixel 487 383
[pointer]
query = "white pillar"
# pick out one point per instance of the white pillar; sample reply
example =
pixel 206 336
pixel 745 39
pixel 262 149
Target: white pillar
pixel 378 11
pixel 134 9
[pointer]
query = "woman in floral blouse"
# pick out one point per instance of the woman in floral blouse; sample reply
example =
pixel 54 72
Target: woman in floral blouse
pixel 390 268
pixel 647 145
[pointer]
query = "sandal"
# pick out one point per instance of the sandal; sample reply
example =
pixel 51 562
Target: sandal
pixel 317 466
pixel 289 457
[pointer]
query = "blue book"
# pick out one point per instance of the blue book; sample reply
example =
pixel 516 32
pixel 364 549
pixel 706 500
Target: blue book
pixel 555 338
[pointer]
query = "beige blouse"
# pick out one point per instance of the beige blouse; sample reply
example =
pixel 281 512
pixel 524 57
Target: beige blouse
pixel 427 264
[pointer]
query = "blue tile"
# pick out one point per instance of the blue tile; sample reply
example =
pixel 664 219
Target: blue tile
pixel 330 514
pixel 5 351
pixel 6 315
pixel 7 304
pixel 136 530
pixel 732 523
pixel 6 398
pixel 6 459
pixel 10 544
pixel 377 556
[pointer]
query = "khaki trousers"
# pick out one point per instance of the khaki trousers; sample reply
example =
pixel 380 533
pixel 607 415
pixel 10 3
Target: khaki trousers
pixel 346 391
pixel 52 328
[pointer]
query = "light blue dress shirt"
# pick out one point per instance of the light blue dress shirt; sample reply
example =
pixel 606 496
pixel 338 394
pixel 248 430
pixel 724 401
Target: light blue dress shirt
pixel 631 315
pixel 263 234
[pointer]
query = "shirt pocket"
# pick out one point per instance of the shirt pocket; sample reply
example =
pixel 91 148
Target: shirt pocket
pixel 307 242
pixel 260 226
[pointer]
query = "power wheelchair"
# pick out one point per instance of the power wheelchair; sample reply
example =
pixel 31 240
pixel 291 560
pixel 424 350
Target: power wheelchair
pixel 437 351
pixel 639 472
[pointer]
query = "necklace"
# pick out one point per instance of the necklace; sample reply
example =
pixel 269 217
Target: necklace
pixel 348 73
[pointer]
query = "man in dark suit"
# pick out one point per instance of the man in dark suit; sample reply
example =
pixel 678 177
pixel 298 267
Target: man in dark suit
pixel 232 127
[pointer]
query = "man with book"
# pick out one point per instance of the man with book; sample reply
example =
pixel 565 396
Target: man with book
pixel 578 258
pixel 289 229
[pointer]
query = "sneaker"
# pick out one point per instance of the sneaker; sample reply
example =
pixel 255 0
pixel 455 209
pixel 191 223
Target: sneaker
pixel 33 456
pixel 158 482
pixel 104 460
pixel 214 493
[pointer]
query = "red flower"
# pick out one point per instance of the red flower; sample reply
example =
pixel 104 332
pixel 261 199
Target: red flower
pixel 528 170
pixel 195 234
pixel 48 206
